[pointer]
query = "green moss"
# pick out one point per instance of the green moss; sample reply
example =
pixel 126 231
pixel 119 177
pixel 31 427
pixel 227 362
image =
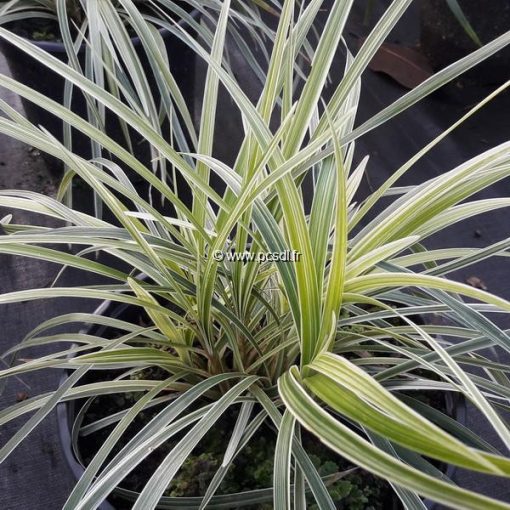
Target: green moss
pixel 195 475
pixel 253 469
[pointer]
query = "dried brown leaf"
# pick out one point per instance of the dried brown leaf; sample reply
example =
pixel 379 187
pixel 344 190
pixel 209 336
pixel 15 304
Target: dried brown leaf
pixel 405 65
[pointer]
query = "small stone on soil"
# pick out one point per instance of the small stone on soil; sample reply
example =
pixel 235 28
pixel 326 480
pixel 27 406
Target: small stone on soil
pixel 21 395
pixel 476 282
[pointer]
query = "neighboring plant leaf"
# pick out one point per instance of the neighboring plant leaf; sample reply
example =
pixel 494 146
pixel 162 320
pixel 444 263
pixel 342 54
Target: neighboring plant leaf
pixel 461 18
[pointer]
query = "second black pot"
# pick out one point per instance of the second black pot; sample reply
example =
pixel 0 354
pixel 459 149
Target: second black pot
pixel 37 76
pixel 444 41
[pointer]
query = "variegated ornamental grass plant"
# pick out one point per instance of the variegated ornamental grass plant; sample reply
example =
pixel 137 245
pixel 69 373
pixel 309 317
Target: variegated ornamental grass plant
pixel 310 345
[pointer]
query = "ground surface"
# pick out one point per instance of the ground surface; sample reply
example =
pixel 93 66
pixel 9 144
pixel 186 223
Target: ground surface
pixel 36 477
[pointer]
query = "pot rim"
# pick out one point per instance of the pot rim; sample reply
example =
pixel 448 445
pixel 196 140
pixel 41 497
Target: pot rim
pixel 64 424
pixel 58 47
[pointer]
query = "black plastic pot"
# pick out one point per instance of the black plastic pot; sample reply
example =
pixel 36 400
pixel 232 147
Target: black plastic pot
pixel 36 75
pixel 67 411
pixel 444 41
